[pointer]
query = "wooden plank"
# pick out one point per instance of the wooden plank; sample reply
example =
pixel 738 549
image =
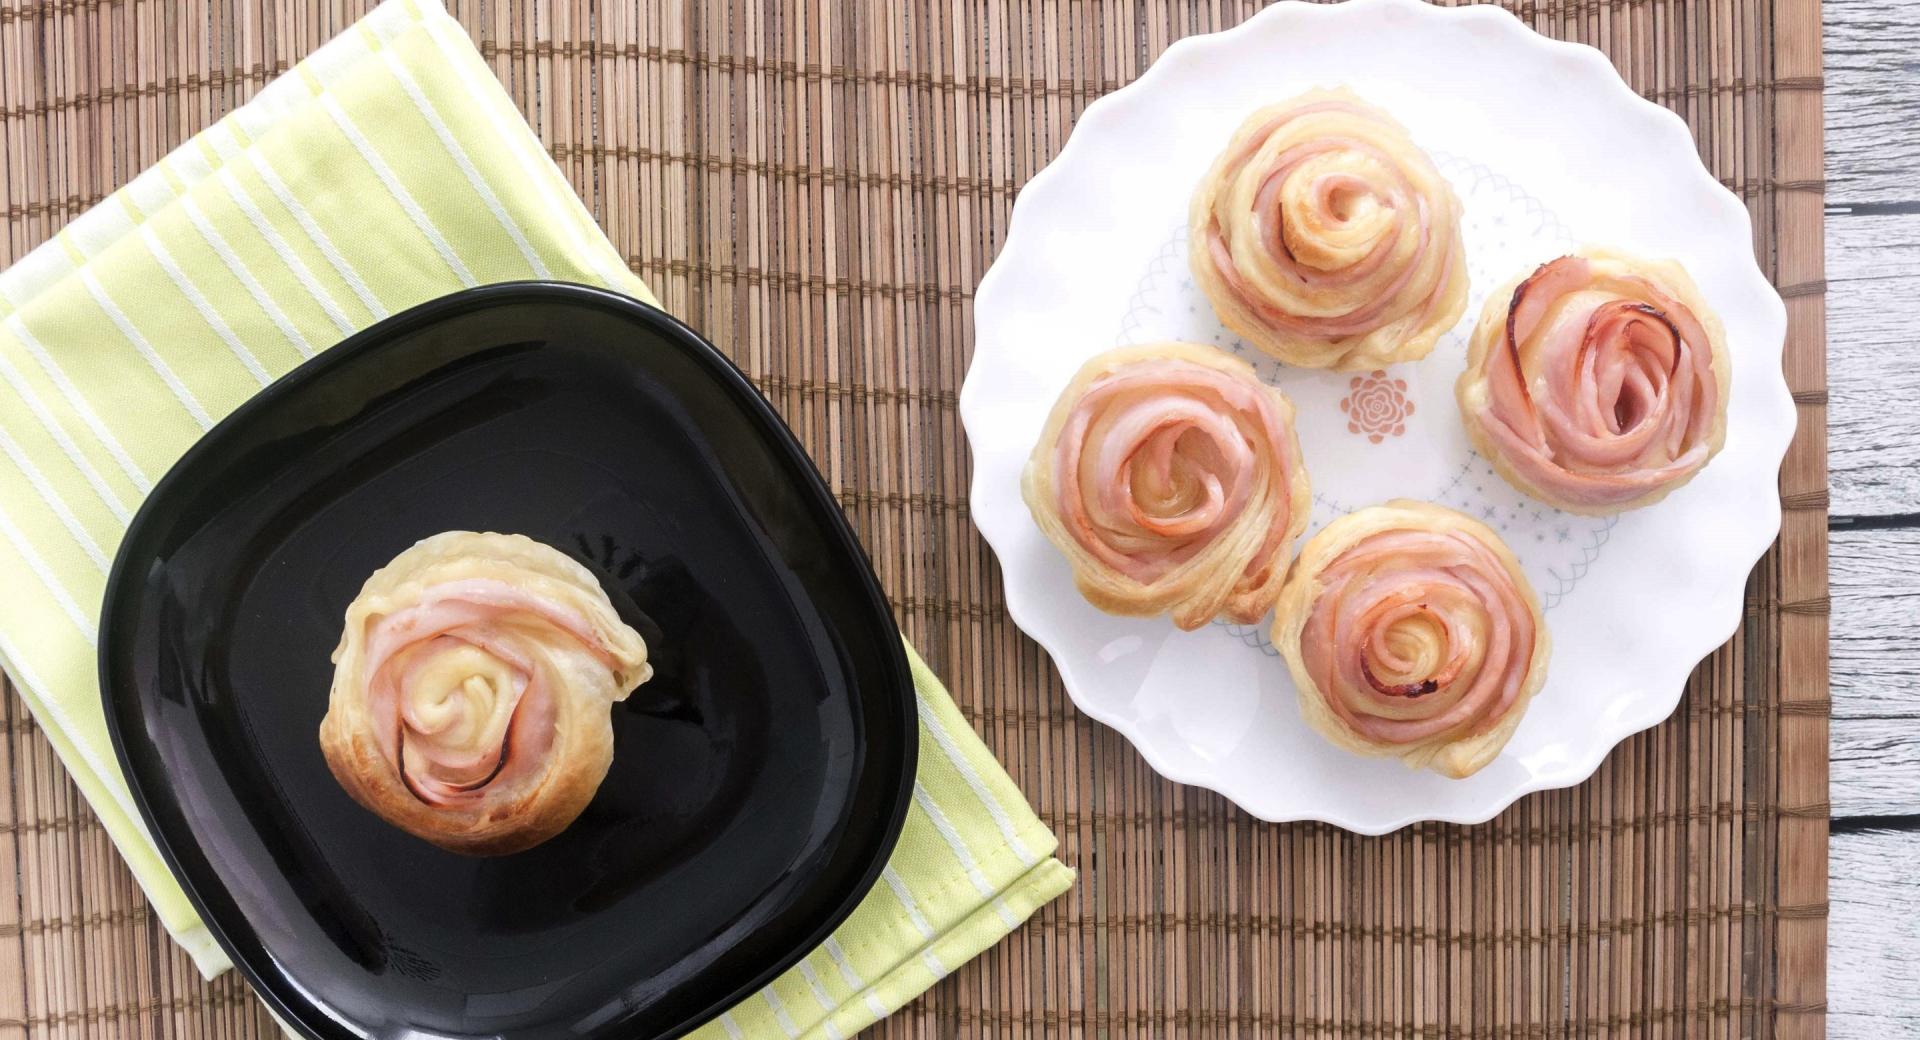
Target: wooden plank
pixel 1876 654
pixel 1788 667
pixel 1873 271
pixel 1873 981
pixel 1873 139
pixel 1873 318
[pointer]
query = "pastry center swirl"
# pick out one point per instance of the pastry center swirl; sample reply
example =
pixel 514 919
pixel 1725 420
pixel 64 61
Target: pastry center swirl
pixel 1601 388
pixel 1418 635
pixel 465 677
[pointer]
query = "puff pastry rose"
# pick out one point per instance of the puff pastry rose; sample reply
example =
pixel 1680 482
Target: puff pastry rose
pixel 1597 383
pixel 1411 631
pixel 1170 477
pixel 473 689
pixel 1325 237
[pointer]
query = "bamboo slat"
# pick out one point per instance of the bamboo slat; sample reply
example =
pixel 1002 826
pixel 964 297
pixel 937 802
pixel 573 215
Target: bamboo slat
pixel 819 187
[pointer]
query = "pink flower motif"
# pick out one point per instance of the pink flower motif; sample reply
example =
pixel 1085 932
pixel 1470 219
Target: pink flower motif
pixel 1377 406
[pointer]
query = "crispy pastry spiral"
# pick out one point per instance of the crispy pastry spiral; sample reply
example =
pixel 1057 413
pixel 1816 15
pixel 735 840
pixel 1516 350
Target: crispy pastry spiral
pixel 1170 477
pixel 472 689
pixel 1411 631
pixel 1325 237
pixel 1598 383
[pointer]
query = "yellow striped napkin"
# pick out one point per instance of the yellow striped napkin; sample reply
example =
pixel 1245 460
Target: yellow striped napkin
pixel 388 168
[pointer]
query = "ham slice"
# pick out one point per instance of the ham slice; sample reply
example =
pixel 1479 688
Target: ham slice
pixel 464 706
pixel 1158 459
pixel 1418 635
pixel 1602 388
pixel 1169 477
pixel 1325 236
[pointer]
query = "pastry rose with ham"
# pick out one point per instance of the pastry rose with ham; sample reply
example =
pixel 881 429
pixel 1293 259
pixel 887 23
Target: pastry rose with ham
pixel 1326 238
pixel 473 689
pixel 1411 631
pixel 1597 383
pixel 1170 477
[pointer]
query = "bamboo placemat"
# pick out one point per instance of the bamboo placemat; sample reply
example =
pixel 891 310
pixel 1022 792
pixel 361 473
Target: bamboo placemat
pixel 819 186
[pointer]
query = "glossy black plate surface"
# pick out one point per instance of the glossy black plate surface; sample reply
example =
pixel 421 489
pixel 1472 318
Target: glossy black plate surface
pixel 759 780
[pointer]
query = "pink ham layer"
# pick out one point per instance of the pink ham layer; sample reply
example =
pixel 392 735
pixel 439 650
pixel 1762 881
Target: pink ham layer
pixel 470 611
pixel 1363 319
pixel 1393 576
pixel 1162 405
pixel 1631 396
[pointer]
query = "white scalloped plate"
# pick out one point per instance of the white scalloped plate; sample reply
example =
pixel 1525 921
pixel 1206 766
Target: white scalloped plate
pixel 1547 148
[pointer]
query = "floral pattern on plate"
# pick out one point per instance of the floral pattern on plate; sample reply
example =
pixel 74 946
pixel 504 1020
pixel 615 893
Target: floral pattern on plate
pixel 1408 411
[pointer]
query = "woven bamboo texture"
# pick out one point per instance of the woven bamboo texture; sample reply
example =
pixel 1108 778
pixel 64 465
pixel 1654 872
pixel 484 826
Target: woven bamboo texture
pixel 819 186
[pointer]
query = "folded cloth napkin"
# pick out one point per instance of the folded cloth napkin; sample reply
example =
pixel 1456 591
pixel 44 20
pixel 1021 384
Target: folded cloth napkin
pixel 387 168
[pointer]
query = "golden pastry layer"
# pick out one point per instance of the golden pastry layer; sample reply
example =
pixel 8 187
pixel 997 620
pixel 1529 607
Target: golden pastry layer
pixel 473 688
pixel 1597 383
pixel 1170 477
pixel 1410 631
pixel 1325 237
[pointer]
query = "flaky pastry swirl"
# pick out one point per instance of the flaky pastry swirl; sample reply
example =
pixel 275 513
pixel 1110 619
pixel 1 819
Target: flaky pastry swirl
pixel 1326 238
pixel 1411 631
pixel 1170 477
pixel 1597 383
pixel 472 691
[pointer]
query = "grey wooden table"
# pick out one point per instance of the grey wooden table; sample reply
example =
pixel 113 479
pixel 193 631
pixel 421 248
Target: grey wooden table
pixel 1873 336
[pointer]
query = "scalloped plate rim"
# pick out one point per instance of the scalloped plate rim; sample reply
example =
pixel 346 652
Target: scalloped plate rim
pixel 1723 610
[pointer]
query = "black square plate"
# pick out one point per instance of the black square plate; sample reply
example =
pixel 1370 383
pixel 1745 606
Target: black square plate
pixel 759 780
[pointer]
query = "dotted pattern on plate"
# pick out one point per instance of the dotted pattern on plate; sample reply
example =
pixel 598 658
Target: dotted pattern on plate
pixel 1365 425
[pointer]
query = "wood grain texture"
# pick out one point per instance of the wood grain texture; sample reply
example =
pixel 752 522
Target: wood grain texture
pixel 1873 91
pixel 1796 585
pixel 819 187
pixel 1873 332
pixel 1873 262
pixel 1875 976
pixel 1876 654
